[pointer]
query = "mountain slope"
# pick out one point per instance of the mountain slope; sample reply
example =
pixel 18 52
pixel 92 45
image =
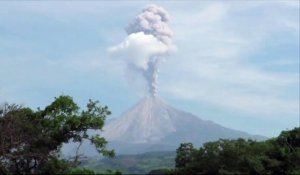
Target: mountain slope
pixel 152 125
pixel 147 122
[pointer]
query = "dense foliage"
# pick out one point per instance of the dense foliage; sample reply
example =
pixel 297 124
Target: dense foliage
pixel 30 140
pixel 280 155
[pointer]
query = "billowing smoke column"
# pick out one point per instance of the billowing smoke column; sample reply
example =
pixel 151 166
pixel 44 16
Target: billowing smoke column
pixel 152 21
pixel 149 39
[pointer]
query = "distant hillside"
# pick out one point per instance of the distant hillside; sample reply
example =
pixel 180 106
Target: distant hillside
pixel 132 164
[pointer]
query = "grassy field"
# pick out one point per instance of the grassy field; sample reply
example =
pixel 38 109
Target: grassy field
pixel 132 164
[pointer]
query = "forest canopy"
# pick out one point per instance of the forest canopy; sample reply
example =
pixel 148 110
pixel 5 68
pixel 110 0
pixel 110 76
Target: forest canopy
pixel 279 155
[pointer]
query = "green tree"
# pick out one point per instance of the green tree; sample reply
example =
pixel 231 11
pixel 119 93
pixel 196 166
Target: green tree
pixel 184 154
pixel 279 155
pixel 287 151
pixel 30 140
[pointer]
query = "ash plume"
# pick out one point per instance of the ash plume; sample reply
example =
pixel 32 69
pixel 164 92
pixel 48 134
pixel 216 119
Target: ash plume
pixel 153 21
pixel 149 40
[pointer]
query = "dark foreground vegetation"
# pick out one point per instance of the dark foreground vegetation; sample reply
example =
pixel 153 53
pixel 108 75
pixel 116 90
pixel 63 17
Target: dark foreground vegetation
pixel 30 143
pixel 279 155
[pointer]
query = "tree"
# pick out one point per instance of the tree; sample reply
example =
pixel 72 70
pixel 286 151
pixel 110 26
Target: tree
pixel 279 155
pixel 30 140
pixel 184 154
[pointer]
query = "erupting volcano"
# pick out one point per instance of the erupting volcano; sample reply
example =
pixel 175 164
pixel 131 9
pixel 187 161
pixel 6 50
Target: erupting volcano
pixel 152 124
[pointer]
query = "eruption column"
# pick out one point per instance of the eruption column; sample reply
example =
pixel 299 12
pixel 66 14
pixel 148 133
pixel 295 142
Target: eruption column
pixel 152 76
pixel 149 39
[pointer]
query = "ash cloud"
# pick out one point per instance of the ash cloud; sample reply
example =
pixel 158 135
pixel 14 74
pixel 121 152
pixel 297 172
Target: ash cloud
pixel 153 21
pixel 149 40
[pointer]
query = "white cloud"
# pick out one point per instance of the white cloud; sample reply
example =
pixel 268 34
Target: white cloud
pixel 138 48
pixel 214 54
pixel 257 98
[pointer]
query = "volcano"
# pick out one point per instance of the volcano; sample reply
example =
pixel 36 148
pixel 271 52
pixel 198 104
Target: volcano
pixel 153 125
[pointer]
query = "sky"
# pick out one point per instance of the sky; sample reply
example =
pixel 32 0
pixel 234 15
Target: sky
pixel 236 62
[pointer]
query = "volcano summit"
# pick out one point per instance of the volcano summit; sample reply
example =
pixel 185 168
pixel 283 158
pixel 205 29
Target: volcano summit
pixel 153 125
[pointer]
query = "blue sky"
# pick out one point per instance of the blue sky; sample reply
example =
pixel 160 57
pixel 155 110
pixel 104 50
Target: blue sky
pixel 237 63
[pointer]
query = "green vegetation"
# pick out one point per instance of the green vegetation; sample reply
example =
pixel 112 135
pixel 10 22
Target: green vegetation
pixel 280 155
pixel 133 164
pixel 30 141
